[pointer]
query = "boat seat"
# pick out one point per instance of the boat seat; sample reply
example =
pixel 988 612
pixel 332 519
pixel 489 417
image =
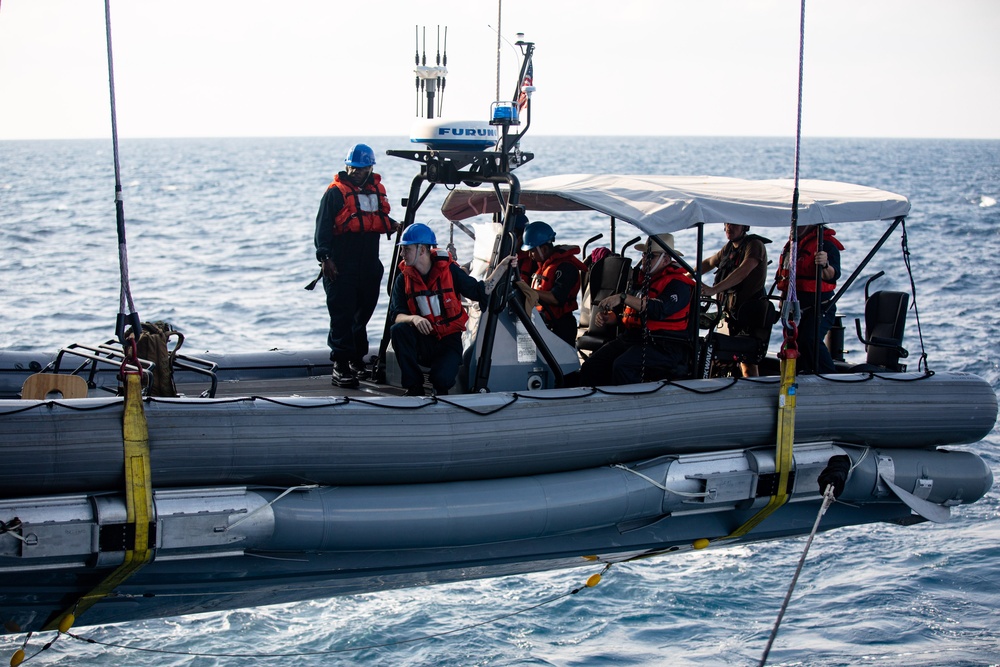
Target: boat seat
pixel 37 387
pixel 885 318
pixel 609 275
pixel 723 350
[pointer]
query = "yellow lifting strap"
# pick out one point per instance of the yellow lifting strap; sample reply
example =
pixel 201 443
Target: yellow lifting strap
pixel 783 452
pixel 138 501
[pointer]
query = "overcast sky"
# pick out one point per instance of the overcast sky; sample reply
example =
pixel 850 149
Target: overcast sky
pixel 212 68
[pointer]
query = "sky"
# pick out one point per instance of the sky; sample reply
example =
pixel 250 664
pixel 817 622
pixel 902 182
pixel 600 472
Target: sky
pixel 249 68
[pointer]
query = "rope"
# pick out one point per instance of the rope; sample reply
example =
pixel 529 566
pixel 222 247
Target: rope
pixel 126 308
pixel 662 487
pixel 654 387
pixel 301 487
pixel 783 456
pixel 913 290
pixel 644 314
pixel 827 500
pixel 790 311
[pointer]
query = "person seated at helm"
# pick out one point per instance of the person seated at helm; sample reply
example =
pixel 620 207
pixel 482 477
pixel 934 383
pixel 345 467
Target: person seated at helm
pixel 739 281
pixel 655 314
pixel 556 280
pixel 427 313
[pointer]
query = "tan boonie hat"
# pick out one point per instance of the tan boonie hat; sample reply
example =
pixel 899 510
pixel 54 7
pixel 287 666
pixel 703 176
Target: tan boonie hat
pixel 668 240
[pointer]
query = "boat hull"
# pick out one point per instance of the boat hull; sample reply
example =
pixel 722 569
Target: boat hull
pixel 231 547
pixel 76 446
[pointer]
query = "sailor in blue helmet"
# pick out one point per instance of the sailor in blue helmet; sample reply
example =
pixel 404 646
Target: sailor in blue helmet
pixel 556 278
pixel 525 264
pixel 427 312
pixel 353 214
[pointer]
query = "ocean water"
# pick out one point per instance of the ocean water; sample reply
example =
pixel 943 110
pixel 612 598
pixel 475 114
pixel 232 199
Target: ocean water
pixel 219 238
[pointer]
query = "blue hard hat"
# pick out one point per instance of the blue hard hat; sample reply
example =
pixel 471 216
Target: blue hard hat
pixel 537 233
pixel 418 234
pixel 360 155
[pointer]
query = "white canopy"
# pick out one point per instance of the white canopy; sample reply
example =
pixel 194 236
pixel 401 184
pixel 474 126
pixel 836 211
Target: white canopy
pixel 658 204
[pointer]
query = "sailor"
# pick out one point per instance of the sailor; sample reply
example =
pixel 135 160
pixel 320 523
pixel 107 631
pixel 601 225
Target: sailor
pixel 353 214
pixel 656 312
pixel 525 265
pixel 740 276
pixel 556 280
pixel 813 260
pixel 427 313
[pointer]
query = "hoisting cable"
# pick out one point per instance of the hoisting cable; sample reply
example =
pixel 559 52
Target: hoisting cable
pixel 790 316
pixel 827 501
pixel 137 535
pixel 127 317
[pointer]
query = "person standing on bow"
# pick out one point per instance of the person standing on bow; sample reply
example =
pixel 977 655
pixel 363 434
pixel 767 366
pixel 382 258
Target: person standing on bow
pixel 353 214
pixel 556 280
pixel 655 315
pixel 739 279
pixel 817 262
pixel 427 312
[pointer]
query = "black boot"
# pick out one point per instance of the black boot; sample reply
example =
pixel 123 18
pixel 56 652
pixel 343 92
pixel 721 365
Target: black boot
pixel 343 376
pixel 360 370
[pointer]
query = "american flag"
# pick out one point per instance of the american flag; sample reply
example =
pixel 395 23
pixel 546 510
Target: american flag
pixel 522 99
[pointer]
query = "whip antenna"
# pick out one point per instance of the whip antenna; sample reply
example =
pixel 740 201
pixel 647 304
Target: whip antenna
pixel 416 64
pixel 443 79
pixel 499 32
pixel 430 79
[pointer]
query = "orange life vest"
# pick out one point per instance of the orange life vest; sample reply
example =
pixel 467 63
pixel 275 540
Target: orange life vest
pixel 545 279
pixel 434 296
pixel 632 319
pixel 805 267
pixel 525 265
pixel 365 209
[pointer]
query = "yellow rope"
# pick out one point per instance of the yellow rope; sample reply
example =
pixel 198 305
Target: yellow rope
pixel 138 504
pixel 783 452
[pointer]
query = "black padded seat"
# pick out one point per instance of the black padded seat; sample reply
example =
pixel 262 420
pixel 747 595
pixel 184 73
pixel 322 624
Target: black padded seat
pixel 885 319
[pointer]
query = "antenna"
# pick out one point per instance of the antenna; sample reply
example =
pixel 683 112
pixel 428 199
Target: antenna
pixel 429 79
pixel 444 77
pixel 416 63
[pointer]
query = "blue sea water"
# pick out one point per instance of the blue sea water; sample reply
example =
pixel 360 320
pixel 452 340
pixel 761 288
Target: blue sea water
pixel 220 244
